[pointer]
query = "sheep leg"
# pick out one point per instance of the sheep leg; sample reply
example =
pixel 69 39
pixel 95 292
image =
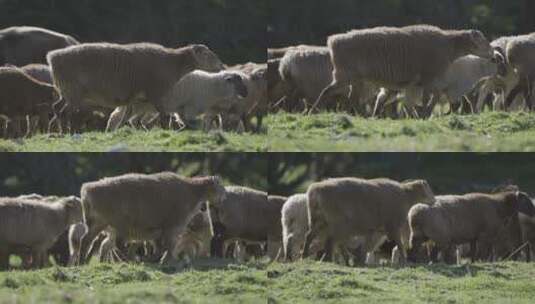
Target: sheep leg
pixel 88 242
pixel 311 234
pixel 512 95
pixel 57 115
pixel 329 248
pixel 273 246
pixel 330 90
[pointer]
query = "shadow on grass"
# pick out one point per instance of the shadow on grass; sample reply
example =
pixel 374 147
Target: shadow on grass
pixel 206 264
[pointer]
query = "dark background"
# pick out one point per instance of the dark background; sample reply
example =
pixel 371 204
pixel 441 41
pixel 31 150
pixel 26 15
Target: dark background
pixel 234 29
pixel 64 173
pixel 447 173
pixel 311 21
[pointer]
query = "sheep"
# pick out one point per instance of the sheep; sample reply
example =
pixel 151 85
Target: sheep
pixel 201 92
pixel 461 77
pixel 527 226
pixel 77 233
pixel 308 71
pixel 519 54
pixel 22 45
pixel 347 207
pixel 40 72
pixel 294 225
pixel 23 95
pixel 195 242
pixel 20 217
pixel 277 88
pixel 294 220
pixel 276 53
pixel 145 207
pixel 474 218
pixel 506 84
pixel 249 215
pixel 408 58
pixel 117 75
pixel 255 104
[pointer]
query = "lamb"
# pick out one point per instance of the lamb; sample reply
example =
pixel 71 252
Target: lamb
pixel 348 207
pixel 461 77
pixel 133 207
pixel 22 45
pixel 409 58
pixel 200 92
pixel 118 75
pixel 23 95
pixel 77 233
pixel 470 218
pixel 40 72
pixel 255 104
pixel 294 225
pixel 249 215
pixel 19 219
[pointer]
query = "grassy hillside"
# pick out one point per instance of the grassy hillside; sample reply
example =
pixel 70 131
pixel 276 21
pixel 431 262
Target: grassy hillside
pixel 209 281
pixel 128 139
pixel 491 131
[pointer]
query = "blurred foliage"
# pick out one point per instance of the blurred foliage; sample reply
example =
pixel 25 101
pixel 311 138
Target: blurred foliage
pixel 64 173
pixel 234 29
pixel 447 173
pixel 312 21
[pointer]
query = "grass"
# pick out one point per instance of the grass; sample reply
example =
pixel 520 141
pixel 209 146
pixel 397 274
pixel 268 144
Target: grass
pixel 131 140
pixel 221 281
pixel 486 132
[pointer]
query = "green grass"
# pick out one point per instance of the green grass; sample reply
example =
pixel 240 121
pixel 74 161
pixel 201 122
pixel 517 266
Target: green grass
pixel 222 281
pixel 490 131
pixel 127 139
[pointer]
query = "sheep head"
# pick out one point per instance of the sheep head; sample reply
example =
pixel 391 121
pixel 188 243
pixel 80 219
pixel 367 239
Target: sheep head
pixel 206 59
pixel 478 44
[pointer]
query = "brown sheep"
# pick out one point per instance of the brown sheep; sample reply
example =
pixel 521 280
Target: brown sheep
pixel 474 218
pixel 118 75
pixel 408 58
pixel 249 215
pixel 22 45
pixel 146 207
pixel 19 219
pixel 23 96
pixel 348 207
